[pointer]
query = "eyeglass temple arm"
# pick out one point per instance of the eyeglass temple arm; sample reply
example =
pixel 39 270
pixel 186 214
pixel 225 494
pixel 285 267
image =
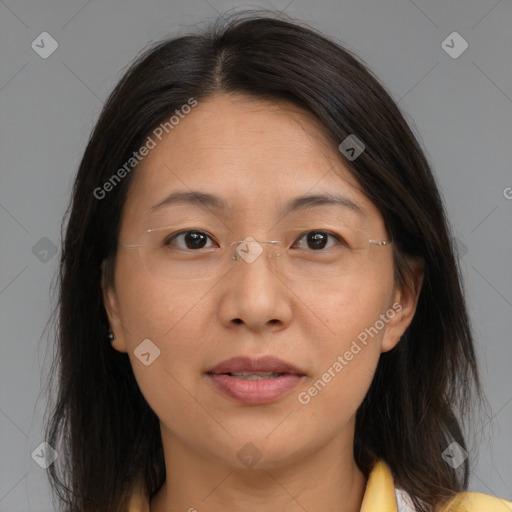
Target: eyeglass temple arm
pixel 380 243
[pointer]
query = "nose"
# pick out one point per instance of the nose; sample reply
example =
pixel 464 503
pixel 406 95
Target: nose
pixel 253 293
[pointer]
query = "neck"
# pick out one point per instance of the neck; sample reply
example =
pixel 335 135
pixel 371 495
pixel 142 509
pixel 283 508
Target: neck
pixel 327 480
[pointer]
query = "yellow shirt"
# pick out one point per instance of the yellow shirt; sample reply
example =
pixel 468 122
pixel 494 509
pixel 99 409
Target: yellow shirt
pixel 380 497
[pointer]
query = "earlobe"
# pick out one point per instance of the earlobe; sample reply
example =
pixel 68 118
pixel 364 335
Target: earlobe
pixel 111 308
pixel 405 301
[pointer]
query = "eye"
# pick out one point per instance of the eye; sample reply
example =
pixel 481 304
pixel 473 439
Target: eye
pixel 318 240
pixel 191 239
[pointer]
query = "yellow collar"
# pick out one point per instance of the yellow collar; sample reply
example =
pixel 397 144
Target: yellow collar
pixel 380 496
pixel 380 490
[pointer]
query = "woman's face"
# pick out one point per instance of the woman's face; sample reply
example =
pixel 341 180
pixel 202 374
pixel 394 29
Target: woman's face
pixel 256 158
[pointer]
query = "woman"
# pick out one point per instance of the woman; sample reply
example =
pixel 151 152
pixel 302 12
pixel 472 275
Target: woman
pixel 259 307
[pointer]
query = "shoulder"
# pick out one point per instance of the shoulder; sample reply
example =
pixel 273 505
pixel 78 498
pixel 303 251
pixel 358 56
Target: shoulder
pixel 463 502
pixel 476 502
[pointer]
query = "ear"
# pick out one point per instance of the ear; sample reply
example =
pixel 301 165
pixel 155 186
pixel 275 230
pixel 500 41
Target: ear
pixel 403 306
pixel 111 306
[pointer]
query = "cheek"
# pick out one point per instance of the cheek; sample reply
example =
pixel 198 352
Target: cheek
pixel 173 317
pixel 154 308
pixel 176 322
pixel 348 351
pixel 345 309
pixel 343 373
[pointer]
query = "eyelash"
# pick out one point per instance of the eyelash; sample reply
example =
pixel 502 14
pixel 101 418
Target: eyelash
pixel 168 240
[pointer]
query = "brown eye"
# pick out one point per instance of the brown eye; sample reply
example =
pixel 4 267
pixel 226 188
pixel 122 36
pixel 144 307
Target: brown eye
pixel 189 240
pixel 317 240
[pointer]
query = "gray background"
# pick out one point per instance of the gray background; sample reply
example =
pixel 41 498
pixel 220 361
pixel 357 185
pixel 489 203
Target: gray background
pixel 461 109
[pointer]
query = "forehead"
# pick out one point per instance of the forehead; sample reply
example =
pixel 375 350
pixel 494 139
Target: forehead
pixel 254 154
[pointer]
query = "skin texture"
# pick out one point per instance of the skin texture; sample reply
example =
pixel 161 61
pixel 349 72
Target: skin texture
pixel 256 155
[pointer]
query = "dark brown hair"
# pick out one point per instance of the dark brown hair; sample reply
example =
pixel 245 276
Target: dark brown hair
pixel 105 431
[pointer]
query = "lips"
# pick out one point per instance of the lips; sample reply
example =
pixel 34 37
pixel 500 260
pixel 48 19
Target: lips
pixel 255 381
pixel 248 365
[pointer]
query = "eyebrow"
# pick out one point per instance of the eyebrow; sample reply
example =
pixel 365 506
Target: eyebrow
pixel 207 200
pixel 305 202
pixel 202 199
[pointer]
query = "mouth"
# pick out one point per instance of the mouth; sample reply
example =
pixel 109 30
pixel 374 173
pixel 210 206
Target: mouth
pixel 255 381
pixel 253 375
pixel 263 367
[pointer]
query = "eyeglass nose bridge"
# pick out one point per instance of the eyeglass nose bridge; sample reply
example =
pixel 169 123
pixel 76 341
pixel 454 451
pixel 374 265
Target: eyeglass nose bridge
pixel 250 249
